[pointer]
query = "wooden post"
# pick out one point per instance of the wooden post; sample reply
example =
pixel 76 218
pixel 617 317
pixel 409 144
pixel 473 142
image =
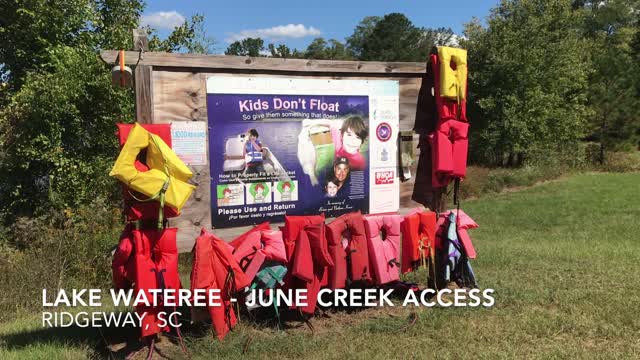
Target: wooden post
pixel 143 80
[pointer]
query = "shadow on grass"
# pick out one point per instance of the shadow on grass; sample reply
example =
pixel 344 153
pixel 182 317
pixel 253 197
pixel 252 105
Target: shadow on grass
pixel 103 342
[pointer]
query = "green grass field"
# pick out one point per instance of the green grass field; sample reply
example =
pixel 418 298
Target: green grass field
pixel 563 257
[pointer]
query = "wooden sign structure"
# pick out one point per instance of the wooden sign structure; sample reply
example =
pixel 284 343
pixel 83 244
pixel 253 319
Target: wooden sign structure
pixel 171 87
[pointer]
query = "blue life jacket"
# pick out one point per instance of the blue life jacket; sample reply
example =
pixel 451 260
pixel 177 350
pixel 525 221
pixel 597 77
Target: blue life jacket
pixel 254 154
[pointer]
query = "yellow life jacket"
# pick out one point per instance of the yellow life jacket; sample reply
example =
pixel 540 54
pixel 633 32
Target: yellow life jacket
pixel 166 179
pixel 453 83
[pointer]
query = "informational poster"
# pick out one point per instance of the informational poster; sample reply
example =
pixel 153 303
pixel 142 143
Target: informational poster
pixel 189 141
pixel 281 146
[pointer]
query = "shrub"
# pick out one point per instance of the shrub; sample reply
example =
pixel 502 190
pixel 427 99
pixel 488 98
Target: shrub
pixel 68 249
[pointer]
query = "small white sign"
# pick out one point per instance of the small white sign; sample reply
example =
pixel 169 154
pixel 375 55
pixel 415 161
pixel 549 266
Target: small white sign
pixel 189 141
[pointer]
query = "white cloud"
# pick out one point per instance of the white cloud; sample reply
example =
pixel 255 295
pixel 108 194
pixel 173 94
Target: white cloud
pixel 290 31
pixel 163 20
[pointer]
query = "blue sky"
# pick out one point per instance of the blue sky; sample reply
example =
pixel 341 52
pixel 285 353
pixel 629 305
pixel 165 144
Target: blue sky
pixel 296 23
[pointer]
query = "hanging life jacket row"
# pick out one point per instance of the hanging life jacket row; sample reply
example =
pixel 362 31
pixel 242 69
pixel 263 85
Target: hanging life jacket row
pixel 352 251
pixel 155 188
pixel 441 121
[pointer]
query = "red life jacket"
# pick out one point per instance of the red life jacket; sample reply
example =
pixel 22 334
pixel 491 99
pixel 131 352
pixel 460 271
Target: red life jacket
pixel 155 264
pixel 256 247
pixel 122 269
pixel 418 239
pixel 134 209
pixel 302 272
pixel 299 255
pixel 314 235
pixel 215 268
pixel 449 142
pixel 351 261
pixel 260 227
pixel 383 234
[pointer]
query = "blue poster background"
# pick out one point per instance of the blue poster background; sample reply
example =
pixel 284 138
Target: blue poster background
pixel 232 115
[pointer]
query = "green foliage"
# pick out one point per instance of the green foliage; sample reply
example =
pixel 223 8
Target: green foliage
pixel 528 80
pixel 59 109
pixel 69 249
pixel 611 27
pixel 30 28
pixel 57 134
pixel 327 50
pixel 361 34
pixel 189 37
pixel 246 47
pixel 395 38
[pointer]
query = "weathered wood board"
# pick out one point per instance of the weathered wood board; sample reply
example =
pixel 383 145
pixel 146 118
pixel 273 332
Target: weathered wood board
pixel 179 94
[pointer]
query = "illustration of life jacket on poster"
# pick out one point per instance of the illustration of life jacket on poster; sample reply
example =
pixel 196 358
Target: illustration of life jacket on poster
pixel 156 188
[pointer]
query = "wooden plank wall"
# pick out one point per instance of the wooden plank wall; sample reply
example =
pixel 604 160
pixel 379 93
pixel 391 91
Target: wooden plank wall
pixel 181 96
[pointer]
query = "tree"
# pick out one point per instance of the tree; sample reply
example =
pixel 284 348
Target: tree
pixel 529 84
pixel 60 109
pixel 189 37
pixel 361 33
pixel 321 49
pixel 246 47
pixel 611 26
pixel 394 38
pixel 281 51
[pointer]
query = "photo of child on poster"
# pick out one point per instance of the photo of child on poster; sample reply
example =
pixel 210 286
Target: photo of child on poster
pixel 294 155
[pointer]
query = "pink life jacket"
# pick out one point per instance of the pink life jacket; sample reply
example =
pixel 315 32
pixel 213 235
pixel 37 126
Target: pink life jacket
pixel 383 234
pixel 464 223
pixel 350 259
pixel 215 268
pixel 134 209
pixel 155 262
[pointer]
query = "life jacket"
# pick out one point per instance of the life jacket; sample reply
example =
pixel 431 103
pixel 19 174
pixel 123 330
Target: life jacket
pixel 300 258
pixel 215 268
pixel 418 239
pixel 457 265
pixel 449 142
pixel 138 210
pixel 253 151
pixel 122 268
pixel 166 179
pixel 303 272
pixel 315 236
pixel 155 265
pixel 258 247
pixel 383 235
pixel 464 223
pixel 350 257
pixel 260 227
pixel 453 73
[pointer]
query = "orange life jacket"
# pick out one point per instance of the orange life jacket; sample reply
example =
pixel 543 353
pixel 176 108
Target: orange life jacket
pixel 418 239
pixel 215 268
